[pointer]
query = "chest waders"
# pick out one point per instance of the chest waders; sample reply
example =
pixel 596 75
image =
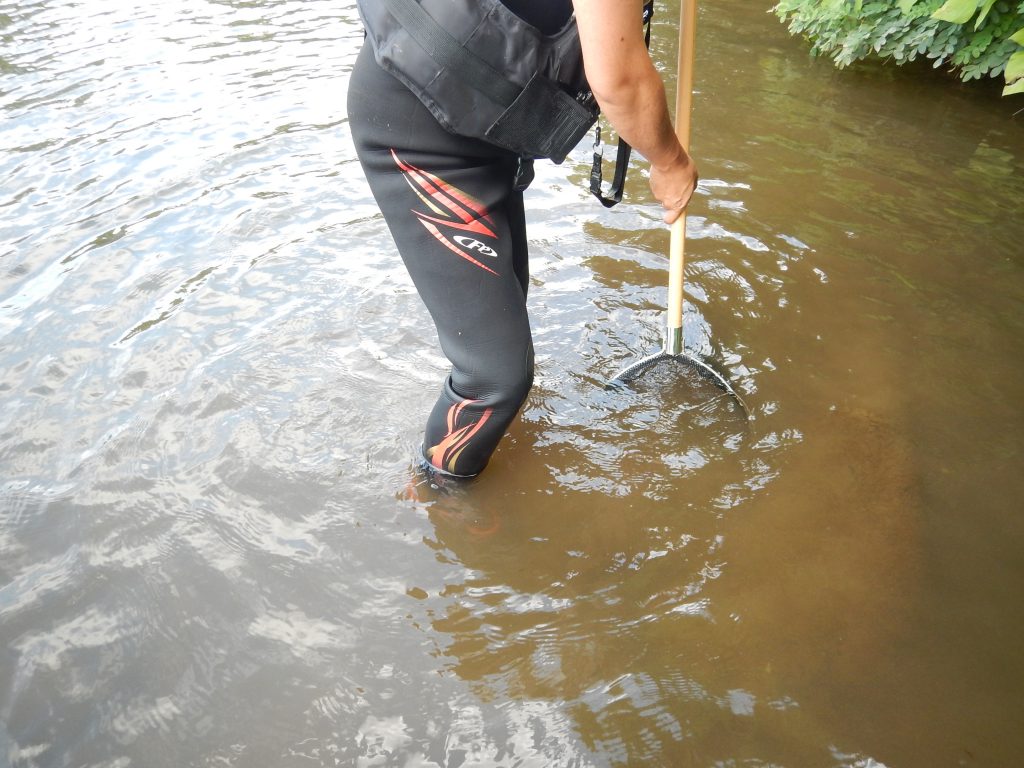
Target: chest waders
pixel 457 219
pixel 442 149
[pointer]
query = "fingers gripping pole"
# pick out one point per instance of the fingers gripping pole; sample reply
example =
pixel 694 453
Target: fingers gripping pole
pixel 677 241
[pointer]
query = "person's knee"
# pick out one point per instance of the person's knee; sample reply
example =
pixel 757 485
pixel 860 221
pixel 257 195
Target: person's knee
pixel 518 387
pixel 501 386
pixel 505 394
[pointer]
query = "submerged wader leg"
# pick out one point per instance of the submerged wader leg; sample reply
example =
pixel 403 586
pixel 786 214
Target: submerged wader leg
pixel 457 219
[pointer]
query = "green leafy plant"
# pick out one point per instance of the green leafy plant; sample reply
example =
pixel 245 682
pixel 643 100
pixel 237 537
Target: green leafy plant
pixel 974 38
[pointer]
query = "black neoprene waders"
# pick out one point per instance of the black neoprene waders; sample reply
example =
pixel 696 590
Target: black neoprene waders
pixel 457 219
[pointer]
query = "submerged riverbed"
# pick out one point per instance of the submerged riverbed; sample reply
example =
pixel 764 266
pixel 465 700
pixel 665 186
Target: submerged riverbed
pixel 214 372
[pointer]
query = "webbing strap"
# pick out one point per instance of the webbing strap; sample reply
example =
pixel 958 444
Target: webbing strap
pixel 449 52
pixel 614 196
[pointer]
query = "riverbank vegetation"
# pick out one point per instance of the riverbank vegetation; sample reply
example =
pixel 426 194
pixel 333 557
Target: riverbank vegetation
pixel 973 38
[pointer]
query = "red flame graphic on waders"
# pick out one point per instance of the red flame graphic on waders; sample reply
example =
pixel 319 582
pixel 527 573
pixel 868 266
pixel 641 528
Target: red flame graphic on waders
pixel 447 452
pixel 455 210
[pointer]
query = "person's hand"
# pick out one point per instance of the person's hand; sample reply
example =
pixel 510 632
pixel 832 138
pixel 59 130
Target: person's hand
pixel 673 185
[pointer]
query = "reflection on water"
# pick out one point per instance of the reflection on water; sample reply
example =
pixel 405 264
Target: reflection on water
pixel 213 373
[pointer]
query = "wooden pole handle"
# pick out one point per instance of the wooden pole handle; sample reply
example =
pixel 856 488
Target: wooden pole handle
pixel 684 100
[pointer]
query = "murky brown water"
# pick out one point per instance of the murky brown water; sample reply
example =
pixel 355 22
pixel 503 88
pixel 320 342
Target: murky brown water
pixel 214 371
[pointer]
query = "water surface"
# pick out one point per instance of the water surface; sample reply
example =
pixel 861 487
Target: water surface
pixel 214 371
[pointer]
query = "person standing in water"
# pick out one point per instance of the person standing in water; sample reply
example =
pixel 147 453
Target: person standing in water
pixel 454 201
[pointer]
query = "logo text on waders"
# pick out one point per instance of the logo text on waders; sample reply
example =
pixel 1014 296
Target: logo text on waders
pixel 475 245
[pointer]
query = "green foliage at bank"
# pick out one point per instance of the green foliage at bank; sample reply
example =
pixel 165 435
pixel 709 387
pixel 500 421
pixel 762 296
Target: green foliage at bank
pixel 974 38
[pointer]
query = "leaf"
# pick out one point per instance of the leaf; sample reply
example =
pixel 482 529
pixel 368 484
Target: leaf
pixel 957 11
pixel 1017 87
pixel 1018 37
pixel 1015 67
pixel 905 6
pixel 986 6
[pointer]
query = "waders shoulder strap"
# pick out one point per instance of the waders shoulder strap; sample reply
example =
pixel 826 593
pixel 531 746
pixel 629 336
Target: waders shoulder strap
pixel 614 196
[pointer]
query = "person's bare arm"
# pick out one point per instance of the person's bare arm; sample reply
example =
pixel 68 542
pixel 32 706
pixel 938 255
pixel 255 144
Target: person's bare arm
pixel 631 95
